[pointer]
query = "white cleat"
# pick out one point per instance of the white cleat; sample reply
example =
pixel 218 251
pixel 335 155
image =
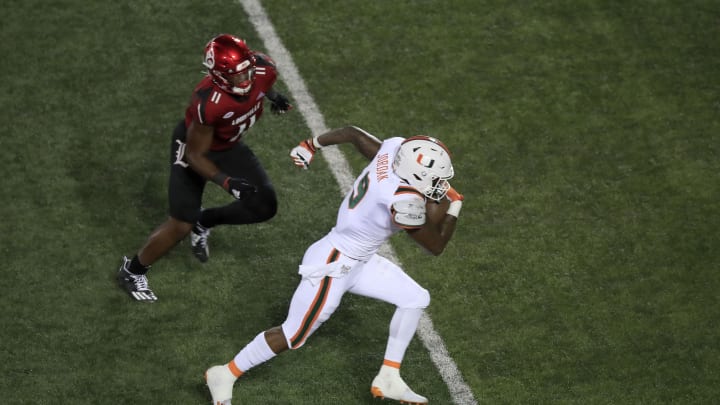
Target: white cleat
pixel 220 381
pixel 388 384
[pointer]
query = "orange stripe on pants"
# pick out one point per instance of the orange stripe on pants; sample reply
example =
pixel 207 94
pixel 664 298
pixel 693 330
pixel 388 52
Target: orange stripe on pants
pixel 312 314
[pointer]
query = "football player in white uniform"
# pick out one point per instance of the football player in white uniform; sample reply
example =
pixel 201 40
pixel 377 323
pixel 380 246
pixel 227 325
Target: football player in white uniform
pixel 390 195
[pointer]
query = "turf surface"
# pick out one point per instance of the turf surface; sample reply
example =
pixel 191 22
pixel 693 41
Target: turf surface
pixel 585 133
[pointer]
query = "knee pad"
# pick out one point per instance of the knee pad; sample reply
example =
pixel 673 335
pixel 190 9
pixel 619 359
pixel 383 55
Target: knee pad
pixel 421 299
pixel 263 203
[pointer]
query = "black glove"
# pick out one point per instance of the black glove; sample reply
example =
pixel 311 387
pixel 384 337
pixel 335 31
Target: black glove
pixel 280 104
pixel 238 187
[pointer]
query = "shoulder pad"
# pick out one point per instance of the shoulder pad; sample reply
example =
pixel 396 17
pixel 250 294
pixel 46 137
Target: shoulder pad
pixel 262 59
pixel 409 213
pixel 409 190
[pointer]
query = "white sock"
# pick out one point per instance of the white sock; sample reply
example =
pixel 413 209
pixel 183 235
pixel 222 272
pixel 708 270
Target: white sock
pixel 403 325
pixel 254 353
pixel 389 371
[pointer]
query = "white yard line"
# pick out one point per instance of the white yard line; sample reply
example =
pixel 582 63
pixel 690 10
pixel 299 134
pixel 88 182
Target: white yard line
pixel 304 102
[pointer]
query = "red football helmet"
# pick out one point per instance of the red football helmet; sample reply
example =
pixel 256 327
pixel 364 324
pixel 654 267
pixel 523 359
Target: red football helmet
pixel 230 63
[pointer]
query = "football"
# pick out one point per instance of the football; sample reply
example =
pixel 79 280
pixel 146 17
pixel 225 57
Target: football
pixel 435 210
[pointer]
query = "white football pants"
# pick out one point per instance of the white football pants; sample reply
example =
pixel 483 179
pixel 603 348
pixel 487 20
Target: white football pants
pixel 328 275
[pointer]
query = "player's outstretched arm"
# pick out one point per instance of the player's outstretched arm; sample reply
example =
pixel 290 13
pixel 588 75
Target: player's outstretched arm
pixel 366 143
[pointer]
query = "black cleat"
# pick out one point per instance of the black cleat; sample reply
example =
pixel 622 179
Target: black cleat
pixel 199 242
pixel 135 284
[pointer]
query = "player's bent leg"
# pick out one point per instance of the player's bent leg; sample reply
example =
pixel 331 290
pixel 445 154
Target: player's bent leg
pixel 276 339
pixel 383 280
pixel 264 203
pixel 132 277
pixel 220 379
pixel 388 383
pixel 162 239
pixel 403 325
pixel 312 304
pixel 257 207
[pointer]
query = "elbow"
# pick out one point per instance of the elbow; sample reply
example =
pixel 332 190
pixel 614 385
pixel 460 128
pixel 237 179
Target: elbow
pixel 439 246
pixel 436 251
pixel 431 244
pixel 354 128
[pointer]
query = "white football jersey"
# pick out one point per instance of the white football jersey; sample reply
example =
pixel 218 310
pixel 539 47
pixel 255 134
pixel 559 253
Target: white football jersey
pixel 379 204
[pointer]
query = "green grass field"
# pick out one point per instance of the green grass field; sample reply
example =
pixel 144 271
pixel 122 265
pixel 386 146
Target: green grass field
pixel 586 265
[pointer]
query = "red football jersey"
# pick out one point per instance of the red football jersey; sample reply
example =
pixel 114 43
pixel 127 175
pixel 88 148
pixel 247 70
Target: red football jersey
pixel 231 114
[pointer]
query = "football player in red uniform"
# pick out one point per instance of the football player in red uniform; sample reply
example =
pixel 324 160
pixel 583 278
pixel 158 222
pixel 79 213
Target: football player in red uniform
pixel 208 145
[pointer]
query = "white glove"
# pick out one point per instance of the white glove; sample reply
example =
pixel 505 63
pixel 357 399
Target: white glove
pixel 303 154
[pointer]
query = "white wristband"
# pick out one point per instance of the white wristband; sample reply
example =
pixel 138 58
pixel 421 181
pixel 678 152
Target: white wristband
pixel 315 143
pixel 454 208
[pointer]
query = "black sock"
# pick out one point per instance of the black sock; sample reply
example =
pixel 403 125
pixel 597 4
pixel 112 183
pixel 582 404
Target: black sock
pixel 200 222
pixel 137 268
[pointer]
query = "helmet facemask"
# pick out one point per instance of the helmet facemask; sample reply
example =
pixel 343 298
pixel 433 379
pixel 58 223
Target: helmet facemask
pixel 438 189
pixel 241 82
